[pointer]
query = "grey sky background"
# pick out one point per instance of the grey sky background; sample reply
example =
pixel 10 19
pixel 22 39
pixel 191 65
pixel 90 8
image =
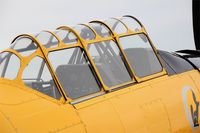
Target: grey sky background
pixel 168 22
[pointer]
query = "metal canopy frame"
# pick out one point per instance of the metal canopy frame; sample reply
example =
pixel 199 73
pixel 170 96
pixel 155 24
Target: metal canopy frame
pixel 42 52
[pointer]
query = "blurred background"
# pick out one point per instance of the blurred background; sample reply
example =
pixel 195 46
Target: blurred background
pixel 168 22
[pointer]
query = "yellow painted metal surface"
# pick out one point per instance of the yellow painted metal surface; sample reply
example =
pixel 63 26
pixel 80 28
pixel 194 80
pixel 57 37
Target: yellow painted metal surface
pixel 154 104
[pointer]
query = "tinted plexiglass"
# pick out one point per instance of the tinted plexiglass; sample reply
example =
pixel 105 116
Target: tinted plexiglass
pixel 117 26
pixel 85 32
pixel 67 37
pixel 37 76
pixel 74 72
pixel 140 55
pixel 100 29
pixel 9 65
pixel 25 46
pixel 109 63
pixel 47 39
pixel 131 23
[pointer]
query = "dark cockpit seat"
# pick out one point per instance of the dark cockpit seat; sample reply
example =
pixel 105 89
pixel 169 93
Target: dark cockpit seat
pixel 77 80
pixel 140 59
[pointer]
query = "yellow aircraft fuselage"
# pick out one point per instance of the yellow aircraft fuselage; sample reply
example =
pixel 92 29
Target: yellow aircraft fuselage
pixel 154 103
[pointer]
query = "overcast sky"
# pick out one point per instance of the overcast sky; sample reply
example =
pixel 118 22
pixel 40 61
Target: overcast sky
pixel 168 22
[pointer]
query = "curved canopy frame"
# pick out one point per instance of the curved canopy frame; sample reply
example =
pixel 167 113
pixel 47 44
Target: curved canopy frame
pixel 41 52
pixel 83 42
pixel 75 32
pixel 71 30
pixel 52 39
pixel 101 22
pixel 115 22
pixel 85 32
pixel 31 37
pixel 129 16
